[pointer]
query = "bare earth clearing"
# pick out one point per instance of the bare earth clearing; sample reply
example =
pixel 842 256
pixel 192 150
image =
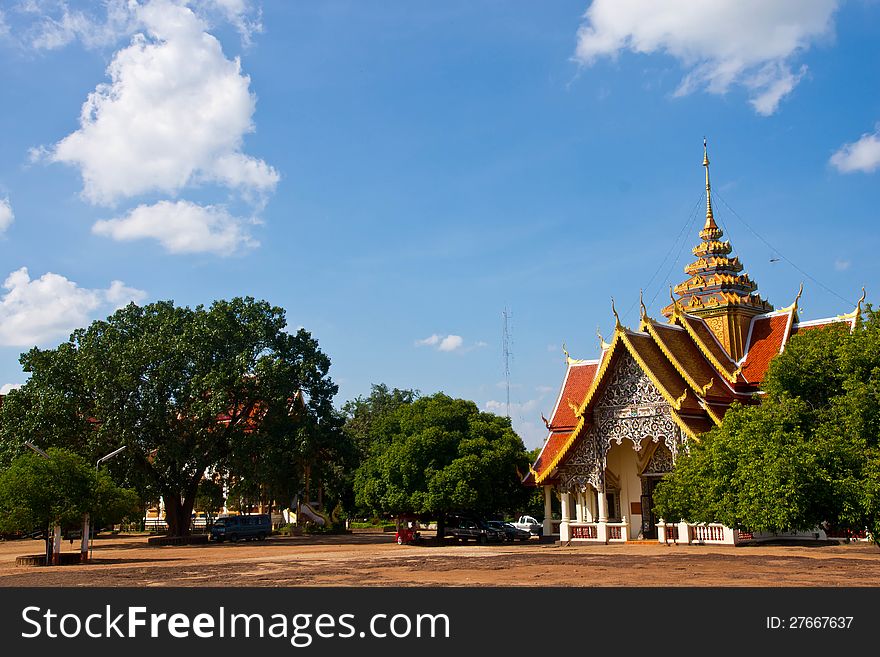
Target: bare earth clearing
pixel 375 560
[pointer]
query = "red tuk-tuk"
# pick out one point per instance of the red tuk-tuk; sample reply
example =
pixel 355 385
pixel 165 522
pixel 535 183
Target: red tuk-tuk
pixel 407 532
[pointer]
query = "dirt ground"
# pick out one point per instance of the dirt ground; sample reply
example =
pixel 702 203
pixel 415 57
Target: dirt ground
pixel 375 560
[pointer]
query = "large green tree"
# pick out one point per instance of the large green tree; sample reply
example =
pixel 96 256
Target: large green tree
pixel 40 492
pixel 808 454
pixel 186 390
pixel 438 455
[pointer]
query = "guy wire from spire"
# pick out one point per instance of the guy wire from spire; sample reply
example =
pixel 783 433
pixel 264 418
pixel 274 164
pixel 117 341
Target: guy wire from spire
pixel 780 254
pixel 692 222
pixel 682 234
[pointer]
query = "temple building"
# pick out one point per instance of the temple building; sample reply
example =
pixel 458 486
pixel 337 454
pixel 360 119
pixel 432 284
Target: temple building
pixel 621 420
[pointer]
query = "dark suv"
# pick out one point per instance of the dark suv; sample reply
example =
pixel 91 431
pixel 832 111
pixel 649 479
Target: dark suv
pixel 465 529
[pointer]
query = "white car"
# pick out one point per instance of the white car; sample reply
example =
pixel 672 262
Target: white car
pixel 529 524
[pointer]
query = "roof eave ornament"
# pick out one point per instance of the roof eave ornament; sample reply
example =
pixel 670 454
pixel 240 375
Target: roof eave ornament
pixel 855 315
pixel 617 325
pixel 676 306
pixel 602 344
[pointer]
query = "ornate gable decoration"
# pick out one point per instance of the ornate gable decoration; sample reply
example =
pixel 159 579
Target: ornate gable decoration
pixel 629 408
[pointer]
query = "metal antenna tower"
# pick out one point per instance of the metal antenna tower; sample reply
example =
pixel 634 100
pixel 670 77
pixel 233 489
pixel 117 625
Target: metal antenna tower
pixel 505 342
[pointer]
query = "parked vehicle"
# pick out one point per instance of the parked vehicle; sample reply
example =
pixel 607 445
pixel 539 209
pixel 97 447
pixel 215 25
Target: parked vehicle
pixel 529 524
pixel 510 532
pixel 407 535
pixel 465 529
pixel 233 528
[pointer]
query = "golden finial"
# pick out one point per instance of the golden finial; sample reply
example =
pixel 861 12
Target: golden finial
pixel 676 307
pixel 602 344
pixel 710 219
pixel 798 297
pixel 565 351
pixel 642 308
pixel 860 301
pixel 617 324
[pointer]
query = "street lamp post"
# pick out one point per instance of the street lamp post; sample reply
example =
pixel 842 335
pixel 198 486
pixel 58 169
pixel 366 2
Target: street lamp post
pixel 88 544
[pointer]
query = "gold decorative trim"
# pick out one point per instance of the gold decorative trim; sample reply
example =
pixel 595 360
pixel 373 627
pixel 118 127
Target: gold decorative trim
pixel 683 426
pixel 732 377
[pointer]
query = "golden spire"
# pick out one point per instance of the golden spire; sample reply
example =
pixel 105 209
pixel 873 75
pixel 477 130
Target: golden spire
pixel 642 309
pixel 617 324
pixel 710 219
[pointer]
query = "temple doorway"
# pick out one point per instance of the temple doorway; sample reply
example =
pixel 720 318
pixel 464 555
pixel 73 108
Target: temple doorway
pixel 649 519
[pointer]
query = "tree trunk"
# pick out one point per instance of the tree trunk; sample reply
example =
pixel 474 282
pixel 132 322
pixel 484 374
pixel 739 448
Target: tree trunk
pixel 441 527
pixel 178 514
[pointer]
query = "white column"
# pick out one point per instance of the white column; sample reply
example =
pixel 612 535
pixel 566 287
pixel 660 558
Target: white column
pixel 564 534
pixel 56 545
pixel 579 506
pixel 84 543
pixel 603 506
pixel 548 511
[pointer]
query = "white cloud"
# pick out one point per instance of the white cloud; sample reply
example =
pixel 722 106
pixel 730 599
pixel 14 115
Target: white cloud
pixel 842 265
pixel 719 43
pixel 4 26
pixel 7 216
pixel 531 432
pixel 56 25
pixel 442 342
pixel 173 115
pixel 450 343
pixel 7 387
pixel 181 227
pixel 36 311
pixel 861 155
pixel 239 13
pixel 52 24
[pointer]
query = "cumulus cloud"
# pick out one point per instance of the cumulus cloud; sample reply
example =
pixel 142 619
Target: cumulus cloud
pixel 719 43
pixel 7 216
pixel 239 13
pixel 181 227
pixel 861 155
pixel 532 432
pixel 56 25
pixel 442 342
pixel 7 387
pixel 34 311
pixel 173 114
pixel 53 24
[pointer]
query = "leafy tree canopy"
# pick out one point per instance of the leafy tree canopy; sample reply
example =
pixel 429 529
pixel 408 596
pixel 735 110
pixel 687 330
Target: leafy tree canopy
pixel 37 492
pixel 186 390
pixel 438 455
pixel 808 454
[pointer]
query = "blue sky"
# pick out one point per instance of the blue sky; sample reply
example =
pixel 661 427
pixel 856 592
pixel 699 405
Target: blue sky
pixel 395 174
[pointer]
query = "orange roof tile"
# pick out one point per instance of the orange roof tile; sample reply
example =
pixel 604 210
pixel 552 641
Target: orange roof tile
pixel 578 379
pixel 555 442
pixel 840 322
pixel 767 337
